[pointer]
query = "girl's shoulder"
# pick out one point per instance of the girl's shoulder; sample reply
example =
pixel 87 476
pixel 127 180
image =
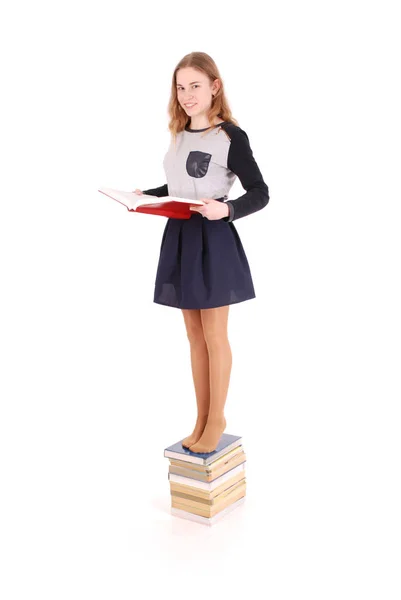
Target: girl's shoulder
pixel 233 131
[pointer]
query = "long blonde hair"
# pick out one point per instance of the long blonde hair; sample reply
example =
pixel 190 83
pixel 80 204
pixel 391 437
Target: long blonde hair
pixel 219 108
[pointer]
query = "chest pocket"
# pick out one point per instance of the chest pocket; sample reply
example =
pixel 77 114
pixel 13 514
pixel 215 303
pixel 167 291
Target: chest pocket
pixel 198 163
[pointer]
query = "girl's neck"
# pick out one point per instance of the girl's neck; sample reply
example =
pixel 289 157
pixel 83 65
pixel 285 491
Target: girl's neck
pixel 203 123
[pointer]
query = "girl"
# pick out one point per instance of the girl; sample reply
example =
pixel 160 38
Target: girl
pixel 202 265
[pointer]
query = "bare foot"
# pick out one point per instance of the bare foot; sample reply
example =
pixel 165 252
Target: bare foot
pixel 197 432
pixel 210 436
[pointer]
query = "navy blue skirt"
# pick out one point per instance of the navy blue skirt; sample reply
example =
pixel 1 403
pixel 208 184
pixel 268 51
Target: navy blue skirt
pixel 202 264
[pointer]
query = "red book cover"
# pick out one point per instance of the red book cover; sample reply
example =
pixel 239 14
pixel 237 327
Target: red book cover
pixel 176 210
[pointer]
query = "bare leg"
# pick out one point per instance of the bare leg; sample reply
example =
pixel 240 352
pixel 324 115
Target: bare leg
pixel 214 321
pixel 200 371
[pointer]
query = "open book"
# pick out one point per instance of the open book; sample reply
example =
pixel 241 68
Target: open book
pixel 167 206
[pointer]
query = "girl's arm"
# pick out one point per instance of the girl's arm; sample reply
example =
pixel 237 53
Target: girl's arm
pixel 159 191
pixel 241 161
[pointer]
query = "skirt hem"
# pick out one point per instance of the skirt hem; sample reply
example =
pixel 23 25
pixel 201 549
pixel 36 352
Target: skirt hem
pixel 203 307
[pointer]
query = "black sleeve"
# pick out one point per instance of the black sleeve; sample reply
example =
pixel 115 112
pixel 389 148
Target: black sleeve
pixel 240 160
pixel 159 191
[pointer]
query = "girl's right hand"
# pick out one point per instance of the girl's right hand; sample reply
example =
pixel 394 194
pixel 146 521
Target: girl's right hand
pixel 138 191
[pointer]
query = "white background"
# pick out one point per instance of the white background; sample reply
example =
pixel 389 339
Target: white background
pixel 95 377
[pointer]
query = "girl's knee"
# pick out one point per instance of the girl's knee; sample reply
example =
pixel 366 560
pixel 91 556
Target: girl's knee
pixel 193 325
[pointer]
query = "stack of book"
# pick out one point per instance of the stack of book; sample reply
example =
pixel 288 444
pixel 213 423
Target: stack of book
pixel 205 487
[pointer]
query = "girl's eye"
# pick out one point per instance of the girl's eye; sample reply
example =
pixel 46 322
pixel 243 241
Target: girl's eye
pixel 195 85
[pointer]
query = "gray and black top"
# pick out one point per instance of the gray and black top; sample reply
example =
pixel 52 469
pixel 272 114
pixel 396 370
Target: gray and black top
pixel 203 165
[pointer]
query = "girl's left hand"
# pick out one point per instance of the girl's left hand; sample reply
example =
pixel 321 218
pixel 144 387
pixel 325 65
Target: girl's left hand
pixel 212 209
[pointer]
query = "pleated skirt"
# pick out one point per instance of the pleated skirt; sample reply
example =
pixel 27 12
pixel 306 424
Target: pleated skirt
pixel 202 264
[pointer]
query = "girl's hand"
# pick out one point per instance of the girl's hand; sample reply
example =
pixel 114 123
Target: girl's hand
pixel 212 209
pixel 138 191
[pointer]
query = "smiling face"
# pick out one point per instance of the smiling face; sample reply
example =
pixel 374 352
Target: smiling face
pixel 195 93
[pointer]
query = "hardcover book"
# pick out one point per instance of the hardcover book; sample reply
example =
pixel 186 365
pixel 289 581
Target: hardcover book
pixel 208 486
pixel 226 443
pixel 199 502
pixel 184 514
pixel 205 510
pixel 213 466
pixel 167 206
pixel 207 494
pixel 185 468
